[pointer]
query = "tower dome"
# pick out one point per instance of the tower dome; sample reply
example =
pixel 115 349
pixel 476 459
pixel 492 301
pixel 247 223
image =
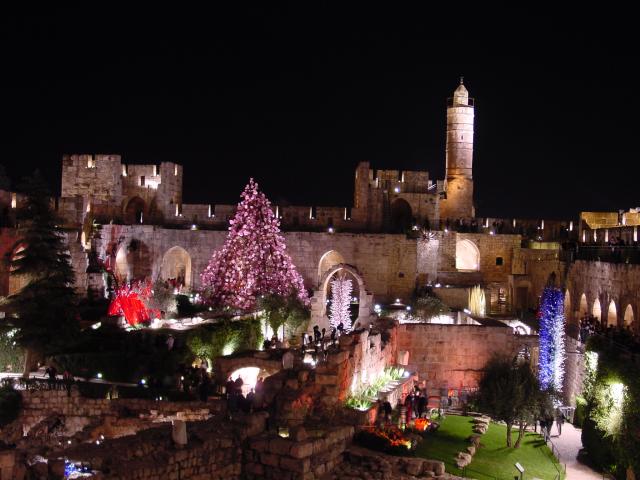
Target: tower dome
pixel 461 95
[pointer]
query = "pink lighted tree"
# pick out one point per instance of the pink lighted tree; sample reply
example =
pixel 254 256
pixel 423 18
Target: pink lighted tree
pixel 253 260
pixel 341 289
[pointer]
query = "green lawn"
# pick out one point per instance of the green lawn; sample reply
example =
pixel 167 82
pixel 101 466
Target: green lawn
pixel 494 460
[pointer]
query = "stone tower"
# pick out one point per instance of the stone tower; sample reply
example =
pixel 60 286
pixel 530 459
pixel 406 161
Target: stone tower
pixel 458 202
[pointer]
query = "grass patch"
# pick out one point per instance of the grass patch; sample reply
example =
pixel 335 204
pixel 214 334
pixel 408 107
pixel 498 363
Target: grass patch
pixel 494 460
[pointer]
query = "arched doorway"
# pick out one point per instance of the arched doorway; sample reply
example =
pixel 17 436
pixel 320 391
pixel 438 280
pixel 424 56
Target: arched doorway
pixel 339 276
pixel 328 260
pixel 176 267
pixel 467 256
pixel 319 301
pixel 584 308
pixel 122 266
pixel 596 311
pixel 612 314
pixel 133 261
pixel 628 315
pixel 134 211
pixel 401 215
pixel 568 314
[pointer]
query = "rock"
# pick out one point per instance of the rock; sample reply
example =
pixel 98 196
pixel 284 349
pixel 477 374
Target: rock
pixel 474 439
pixel 413 466
pixel 179 432
pixel 471 449
pixel 299 434
pixel 464 455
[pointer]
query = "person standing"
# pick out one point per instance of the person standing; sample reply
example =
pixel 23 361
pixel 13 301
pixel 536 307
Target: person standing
pixel 560 421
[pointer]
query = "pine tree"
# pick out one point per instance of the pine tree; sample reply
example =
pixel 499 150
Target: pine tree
pixel 341 289
pixel 253 261
pixel 552 352
pixel 43 310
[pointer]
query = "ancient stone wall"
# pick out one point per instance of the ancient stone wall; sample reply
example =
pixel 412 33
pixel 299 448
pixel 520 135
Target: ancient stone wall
pixel 453 356
pixel 301 456
pixel 386 262
pixel 606 282
pixel 95 176
pixel 40 404
pixel 574 370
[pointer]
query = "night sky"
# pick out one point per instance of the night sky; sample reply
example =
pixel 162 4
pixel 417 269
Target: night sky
pixel 296 98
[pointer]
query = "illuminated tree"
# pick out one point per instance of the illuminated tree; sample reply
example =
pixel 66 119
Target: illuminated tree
pixel 341 289
pixel 552 352
pixel 253 261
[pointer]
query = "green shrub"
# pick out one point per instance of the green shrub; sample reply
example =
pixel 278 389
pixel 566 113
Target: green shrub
pixel 10 405
pixel 579 415
pixel 11 355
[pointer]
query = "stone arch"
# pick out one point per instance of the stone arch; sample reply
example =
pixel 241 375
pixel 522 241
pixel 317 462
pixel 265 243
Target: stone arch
pixel 354 293
pixel 176 266
pixel 364 299
pixel 568 314
pixel 328 260
pixel 596 310
pixel 628 315
pixel 612 314
pixel 122 266
pixel 583 308
pixel 228 365
pixel 467 256
pixel 135 210
pixel 401 215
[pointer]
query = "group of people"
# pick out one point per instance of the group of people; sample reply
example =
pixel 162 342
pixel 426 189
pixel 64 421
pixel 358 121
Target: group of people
pixel 195 379
pixel 319 343
pixel 624 336
pixel 236 399
pixel 52 379
pixel 547 423
pixel 416 403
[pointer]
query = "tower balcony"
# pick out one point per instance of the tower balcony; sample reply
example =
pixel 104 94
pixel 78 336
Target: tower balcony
pixel 470 103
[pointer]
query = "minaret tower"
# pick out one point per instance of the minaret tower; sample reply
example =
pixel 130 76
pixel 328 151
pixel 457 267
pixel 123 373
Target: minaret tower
pixel 459 156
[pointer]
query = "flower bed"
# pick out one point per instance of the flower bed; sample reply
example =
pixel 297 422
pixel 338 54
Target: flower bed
pixel 388 439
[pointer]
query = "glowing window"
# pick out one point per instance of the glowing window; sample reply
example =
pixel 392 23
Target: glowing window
pixel 467 256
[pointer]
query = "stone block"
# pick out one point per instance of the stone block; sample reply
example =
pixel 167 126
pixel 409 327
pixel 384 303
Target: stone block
pixel 269 459
pixel 295 465
pixel 280 446
pixel 302 450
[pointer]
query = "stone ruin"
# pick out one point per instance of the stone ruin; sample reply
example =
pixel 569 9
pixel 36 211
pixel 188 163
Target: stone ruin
pixel 305 433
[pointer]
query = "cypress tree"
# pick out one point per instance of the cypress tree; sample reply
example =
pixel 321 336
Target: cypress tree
pixel 43 310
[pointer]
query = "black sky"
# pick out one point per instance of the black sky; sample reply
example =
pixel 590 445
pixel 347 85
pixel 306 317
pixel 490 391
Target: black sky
pixel 296 96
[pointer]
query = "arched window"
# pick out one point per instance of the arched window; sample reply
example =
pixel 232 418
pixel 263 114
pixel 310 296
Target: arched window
pixel 596 311
pixel 401 215
pixel 628 315
pixel 467 256
pixel 612 314
pixel 584 309
pixel 568 314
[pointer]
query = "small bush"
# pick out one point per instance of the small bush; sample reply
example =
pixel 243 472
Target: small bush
pixel 10 405
pixel 580 414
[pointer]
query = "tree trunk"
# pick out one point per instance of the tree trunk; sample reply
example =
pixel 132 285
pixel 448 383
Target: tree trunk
pixel 523 427
pixel 509 425
pixel 29 361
